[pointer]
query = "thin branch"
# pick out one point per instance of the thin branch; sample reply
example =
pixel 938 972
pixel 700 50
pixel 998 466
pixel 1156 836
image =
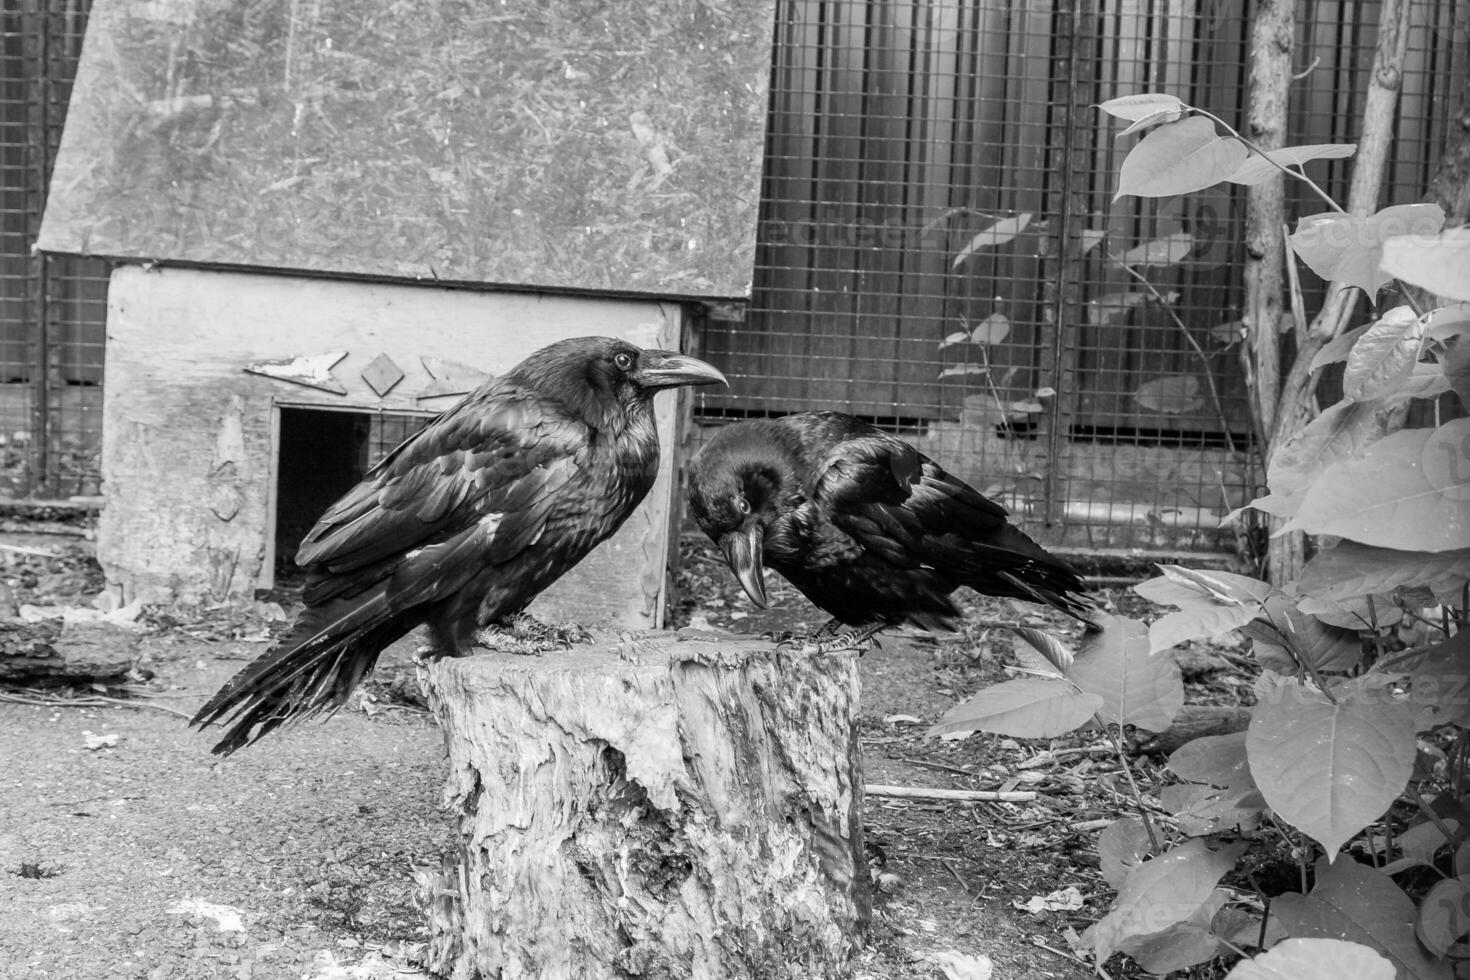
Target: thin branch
pixel 1298 174
pixel 1199 351
pixel 952 795
pixel 1148 825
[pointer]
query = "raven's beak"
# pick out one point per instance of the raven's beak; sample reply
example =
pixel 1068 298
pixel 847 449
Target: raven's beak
pixel 669 369
pixel 743 554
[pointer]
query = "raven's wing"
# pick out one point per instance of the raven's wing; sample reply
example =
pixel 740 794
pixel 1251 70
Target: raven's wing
pixel 492 464
pixel 899 504
pixel 473 487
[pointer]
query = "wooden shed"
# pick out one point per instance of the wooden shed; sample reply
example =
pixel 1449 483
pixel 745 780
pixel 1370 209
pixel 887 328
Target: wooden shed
pixel 332 220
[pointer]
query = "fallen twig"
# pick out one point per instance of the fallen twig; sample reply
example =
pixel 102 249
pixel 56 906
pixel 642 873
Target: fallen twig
pixel 1036 941
pixel 958 795
pixel 91 701
pixel 1052 755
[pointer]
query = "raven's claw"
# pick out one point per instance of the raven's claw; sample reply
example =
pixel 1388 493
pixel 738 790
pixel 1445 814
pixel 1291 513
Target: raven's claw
pixel 526 636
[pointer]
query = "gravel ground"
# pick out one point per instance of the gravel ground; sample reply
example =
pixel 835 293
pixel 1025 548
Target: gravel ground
pixel 128 851
pixel 150 858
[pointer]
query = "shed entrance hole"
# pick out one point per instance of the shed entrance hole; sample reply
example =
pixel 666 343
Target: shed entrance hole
pixel 321 453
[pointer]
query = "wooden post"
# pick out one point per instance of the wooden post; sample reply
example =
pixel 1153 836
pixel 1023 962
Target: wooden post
pixel 651 806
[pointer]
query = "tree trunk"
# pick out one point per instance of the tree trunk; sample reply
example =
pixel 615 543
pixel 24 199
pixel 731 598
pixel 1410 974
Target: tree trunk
pixel 1297 405
pixel 655 808
pixel 1265 210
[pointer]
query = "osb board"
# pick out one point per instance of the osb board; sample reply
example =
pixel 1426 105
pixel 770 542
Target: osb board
pixel 610 147
pixel 187 456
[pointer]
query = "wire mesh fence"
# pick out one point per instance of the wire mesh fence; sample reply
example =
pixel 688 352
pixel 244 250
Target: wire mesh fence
pixel 52 308
pixel 940 251
pixel 939 248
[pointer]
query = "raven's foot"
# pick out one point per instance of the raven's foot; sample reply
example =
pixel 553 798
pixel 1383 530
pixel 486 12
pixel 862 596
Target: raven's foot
pixel 831 638
pixel 526 636
pixel 429 653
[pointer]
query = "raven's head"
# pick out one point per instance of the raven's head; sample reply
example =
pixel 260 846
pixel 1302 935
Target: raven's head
pixel 606 380
pixel 740 484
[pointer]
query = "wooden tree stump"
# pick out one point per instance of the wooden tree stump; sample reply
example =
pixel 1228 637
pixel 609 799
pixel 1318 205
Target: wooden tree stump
pixel 653 807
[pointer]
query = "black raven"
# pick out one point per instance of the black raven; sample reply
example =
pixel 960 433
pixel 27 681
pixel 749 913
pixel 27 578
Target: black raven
pixel 865 526
pixel 462 525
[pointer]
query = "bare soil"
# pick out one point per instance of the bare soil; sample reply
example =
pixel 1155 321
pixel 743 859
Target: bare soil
pixel 143 856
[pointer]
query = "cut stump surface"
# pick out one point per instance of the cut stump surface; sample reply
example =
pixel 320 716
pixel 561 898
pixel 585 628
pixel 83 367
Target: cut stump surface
pixel 652 806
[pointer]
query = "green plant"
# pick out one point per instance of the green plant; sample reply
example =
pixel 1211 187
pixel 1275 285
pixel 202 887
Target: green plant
pixel 1345 735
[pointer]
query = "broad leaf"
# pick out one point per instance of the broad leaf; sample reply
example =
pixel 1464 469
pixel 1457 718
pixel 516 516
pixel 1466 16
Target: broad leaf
pixel 1227 333
pixel 1444 915
pixel 1230 800
pixel 1259 168
pixel 1348 248
pixel 1056 653
pixel 1276 504
pixel 958 337
pixel 1112 307
pixel 1179 157
pixel 1425 381
pixel 1354 902
pixel 1172 394
pixel 1355 613
pixel 1136 688
pixel 1439 684
pixel 1091 238
pixel 1142 106
pixel 1418 845
pixel 1342 430
pixel 1408 490
pixel 1202 619
pixel 1325 647
pixel 1440 265
pixel 1454 364
pixel 1210 604
pixel 1148 122
pixel 1206 810
pixel 1215 759
pixel 1351 569
pixel 1315 959
pixel 1452 320
pixel 1335 349
pixel 1227 587
pixel 1183 944
pixel 962 370
pixel 999 233
pixel 991 330
pixel 1169 250
pixel 1330 769
pixel 1121 847
pixel 1158 893
pixel 1029 707
pixel 1384 356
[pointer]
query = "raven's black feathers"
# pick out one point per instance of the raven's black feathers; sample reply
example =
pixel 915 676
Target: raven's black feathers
pixel 864 525
pixel 465 523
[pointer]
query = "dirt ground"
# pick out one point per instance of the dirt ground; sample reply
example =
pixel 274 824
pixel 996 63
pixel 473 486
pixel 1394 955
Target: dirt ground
pixel 128 851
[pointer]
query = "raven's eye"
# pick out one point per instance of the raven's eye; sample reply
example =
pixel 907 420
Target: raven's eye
pixel 624 361
pixel 742 505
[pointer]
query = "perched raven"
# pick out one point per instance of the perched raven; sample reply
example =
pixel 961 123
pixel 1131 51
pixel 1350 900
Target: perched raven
pixel 865 526
pixel 465 523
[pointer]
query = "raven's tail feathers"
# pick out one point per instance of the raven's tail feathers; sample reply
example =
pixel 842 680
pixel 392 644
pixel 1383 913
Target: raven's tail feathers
pixel 312 670
pixel 1058 587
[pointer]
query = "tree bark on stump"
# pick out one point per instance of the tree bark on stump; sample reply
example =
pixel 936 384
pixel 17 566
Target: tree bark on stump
pixel 653 807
